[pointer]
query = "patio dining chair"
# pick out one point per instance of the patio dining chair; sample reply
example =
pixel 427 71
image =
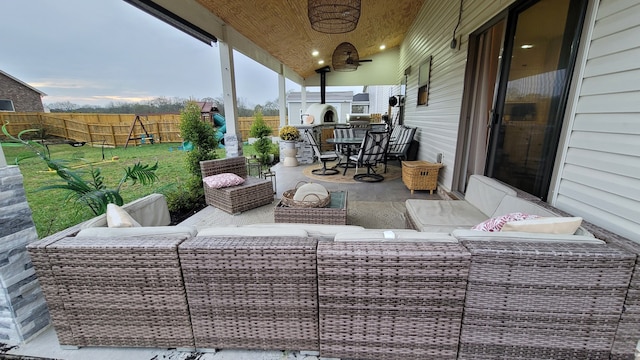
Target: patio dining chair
pixel 322 156
pixel 372 152
pixel 399 144
pixel 342 150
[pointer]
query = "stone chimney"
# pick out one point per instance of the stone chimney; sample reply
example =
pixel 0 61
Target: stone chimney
pixel 23 310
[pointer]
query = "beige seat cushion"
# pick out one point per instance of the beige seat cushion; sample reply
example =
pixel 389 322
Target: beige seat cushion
pixel 475 235
pixel 511 204
pixel 116 233
pixel 394 236
pixel 547 225
pixel 151 210
pixel 443 215
pixel 485 193
pixel 252 231
pixel 315 230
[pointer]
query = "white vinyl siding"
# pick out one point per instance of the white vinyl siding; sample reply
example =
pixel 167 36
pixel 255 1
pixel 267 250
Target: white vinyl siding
pixel 430 35
pixel 599 178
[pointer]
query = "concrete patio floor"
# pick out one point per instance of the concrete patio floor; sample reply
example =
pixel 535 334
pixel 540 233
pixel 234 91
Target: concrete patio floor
pixel 387 190
pixel 46 345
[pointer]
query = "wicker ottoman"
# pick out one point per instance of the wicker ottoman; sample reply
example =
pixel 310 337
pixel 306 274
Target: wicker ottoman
pixel 334 214
pixel 252 292
pixel 420 175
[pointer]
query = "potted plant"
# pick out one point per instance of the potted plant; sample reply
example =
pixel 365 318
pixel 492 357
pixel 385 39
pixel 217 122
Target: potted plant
pixel 289 135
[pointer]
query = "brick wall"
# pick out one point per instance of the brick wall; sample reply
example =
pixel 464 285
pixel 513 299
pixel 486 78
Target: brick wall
pixel 24 98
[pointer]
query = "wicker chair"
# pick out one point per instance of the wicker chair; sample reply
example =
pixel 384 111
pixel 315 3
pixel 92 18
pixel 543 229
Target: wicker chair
pixel 253 193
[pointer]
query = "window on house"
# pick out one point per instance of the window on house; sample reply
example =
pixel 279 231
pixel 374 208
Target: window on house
pixel 359 109
pixel 424 75
pixel 6 105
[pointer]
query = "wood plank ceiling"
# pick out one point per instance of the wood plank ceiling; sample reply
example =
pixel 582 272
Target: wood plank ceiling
pixel 282 28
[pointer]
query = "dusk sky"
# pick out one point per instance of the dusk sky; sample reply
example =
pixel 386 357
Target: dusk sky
pixel 94 52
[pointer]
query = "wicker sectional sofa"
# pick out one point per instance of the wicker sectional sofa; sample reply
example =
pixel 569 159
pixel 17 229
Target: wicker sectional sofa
pixel 344 291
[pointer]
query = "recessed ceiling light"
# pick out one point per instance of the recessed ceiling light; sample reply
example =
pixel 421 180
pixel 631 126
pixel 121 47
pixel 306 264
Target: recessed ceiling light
pixel 321 62
pixel 315 53
pixel 382 47
pixel 526 46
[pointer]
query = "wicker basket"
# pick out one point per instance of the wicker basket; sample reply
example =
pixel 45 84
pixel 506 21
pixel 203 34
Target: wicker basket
pixel 420 175
pixel 309 201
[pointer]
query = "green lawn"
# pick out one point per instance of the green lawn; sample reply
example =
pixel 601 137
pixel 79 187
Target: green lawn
pixel 52 212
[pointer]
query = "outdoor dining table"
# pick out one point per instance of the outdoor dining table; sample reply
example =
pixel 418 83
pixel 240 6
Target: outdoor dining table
pixel 351 143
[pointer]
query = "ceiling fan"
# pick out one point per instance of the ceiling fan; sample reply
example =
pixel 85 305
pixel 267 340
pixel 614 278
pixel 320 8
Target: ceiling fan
pixel 345 58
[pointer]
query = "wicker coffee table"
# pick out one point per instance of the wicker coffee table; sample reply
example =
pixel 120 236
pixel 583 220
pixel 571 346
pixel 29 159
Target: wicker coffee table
pixel 334 214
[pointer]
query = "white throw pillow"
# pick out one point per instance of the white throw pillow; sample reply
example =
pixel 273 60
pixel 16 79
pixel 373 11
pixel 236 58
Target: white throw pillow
pixel 546 225
pixel 117 217
pixel 311 192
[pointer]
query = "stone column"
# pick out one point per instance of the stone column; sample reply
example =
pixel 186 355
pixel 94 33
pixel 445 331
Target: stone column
pixel 233 145
pixel 23 310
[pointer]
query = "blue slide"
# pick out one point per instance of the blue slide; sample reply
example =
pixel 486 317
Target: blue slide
pixel 221 124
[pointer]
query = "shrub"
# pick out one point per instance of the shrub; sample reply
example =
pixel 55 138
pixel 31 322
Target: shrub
pixel 259 128
pixel 200 134
pixel 183 201
pixel 262 131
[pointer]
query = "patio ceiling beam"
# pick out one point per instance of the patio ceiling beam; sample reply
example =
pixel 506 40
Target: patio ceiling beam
pixel 174 20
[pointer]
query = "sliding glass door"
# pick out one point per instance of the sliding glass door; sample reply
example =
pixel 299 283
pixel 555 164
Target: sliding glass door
pixel 531 87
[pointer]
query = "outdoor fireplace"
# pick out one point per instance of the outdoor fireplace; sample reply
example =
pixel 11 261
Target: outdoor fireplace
pixel 319 114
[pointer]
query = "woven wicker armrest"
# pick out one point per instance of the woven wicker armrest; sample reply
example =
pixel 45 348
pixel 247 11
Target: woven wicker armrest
pixel 543 300
pixel 105 292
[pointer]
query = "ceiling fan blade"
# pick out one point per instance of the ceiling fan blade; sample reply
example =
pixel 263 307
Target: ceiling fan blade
pixel 365 60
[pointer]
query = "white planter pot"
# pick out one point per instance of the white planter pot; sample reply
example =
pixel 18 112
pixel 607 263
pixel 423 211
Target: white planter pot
pixel 290 151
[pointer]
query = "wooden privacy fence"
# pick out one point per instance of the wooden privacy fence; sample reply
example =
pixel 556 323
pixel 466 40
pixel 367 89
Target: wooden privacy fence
pixel 111 129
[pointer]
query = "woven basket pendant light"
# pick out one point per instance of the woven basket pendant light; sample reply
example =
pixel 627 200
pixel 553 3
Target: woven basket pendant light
pixel 334 16
pixel 345 57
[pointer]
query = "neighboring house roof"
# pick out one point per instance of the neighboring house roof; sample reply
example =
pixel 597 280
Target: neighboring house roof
pixel 361 97
pixel 206 107
pixel 23 83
